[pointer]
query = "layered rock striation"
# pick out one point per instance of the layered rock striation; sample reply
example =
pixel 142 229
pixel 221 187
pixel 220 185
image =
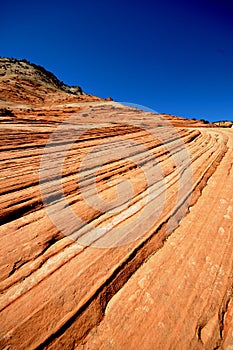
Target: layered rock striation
pixel 142 257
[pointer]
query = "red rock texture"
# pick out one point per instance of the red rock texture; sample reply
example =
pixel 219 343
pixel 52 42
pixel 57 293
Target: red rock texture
pixel 146 287
pixel 181 297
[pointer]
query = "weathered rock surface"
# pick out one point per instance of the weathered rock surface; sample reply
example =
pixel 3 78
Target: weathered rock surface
pixel 181 297
pixel 153 283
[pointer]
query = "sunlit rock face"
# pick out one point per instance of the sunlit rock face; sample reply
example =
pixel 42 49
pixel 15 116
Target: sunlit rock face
pixel 116 223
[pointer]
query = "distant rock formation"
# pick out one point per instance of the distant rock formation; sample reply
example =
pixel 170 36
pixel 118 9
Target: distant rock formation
pixel 224 124
pixel 32 72
pixel 29 83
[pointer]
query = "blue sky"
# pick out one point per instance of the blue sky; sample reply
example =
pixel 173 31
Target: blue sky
pixel 172 56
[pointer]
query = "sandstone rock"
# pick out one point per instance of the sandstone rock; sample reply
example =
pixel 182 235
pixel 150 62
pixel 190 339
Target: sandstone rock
pixel 149 269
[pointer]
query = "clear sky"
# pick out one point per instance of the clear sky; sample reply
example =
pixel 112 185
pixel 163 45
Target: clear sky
pixel 174 56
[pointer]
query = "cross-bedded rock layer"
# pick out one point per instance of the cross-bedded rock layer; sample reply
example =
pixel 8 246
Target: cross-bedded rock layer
pixel 160 289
